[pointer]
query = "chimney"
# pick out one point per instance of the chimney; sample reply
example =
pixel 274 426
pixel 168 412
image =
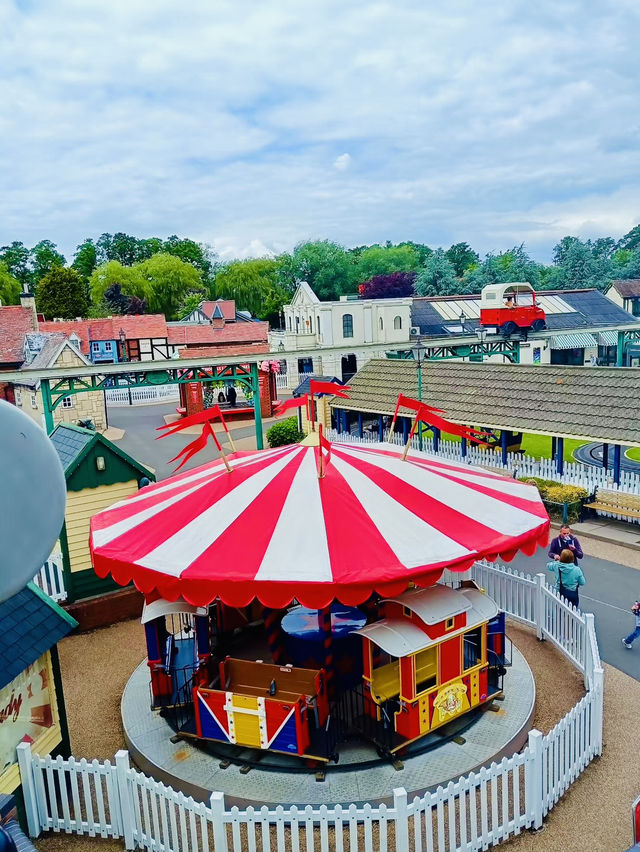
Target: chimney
pixel 218 322
pixel 28 300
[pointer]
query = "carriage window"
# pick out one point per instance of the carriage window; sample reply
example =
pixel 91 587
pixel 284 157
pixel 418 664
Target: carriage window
pixel 449 624
pixel 406 612
pixel 426 669
pixel 385 678
pixel 472 648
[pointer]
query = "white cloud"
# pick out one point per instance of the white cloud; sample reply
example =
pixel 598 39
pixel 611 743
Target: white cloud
pixel 342 163
pixel 491 122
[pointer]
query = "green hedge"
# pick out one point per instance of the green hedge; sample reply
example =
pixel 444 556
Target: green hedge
pixel 283 433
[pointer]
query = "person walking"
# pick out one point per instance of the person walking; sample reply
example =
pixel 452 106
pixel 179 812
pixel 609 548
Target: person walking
pixel 631 638
pixel 231 396
pixel 565 541
pixel 569 576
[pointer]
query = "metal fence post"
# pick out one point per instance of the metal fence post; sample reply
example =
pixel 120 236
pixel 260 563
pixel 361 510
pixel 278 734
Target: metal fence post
pixel 216 803
pixel 533 788
pixel 122 777
pixel 402 819
pixel 27 781
pixel 540 606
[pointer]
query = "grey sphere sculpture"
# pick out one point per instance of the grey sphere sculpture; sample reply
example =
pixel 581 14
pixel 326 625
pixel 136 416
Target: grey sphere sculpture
pixel 32 499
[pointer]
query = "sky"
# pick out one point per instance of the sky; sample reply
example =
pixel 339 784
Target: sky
pixel 253 126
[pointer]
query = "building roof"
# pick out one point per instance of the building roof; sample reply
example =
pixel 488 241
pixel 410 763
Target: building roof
pixel 15 322
pixel 30 624
pixel 303 387
pixel 545 400
pixel 226 306
pixel 566 310
pixel 193 334
pixel 435 604
pixel 47 348
pixel 135 327
pixel 628 288
pixel 72 443
pixel 231 349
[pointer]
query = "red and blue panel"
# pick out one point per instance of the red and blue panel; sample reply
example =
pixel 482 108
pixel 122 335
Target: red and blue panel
pixel 282 730
pixel 211 716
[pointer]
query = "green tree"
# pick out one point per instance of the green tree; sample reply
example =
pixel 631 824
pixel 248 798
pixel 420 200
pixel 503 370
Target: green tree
pixel 121 247
pixel 512 265
pixel 85 259
pixel 191 252
pixel 631 240
pixel 61 293
pixel 168 280
pixel 461 256
pixel 44 257
pixel 130 279
pixel 324 265
pixel 9 286
pixel 438 277
pixel 16 258
pixel 255 286
pixel 582 264
pixel 379 260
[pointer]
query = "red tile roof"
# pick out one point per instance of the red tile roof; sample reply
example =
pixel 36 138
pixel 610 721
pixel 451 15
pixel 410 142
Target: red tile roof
pixel 135 326
pixel 15 322
pixel 193 334
pixel 228 349
pixel 227 306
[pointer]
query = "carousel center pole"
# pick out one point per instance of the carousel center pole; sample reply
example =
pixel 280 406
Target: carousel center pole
pixel 327 642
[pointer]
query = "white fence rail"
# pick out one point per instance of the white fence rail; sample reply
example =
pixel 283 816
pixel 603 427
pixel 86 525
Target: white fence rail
pixel 478 810
pixel 50 578
pixel 574 473
pixel 289 381
pixel 141 396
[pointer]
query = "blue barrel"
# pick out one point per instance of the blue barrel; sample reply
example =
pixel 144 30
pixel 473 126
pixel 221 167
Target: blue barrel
pixel 303 637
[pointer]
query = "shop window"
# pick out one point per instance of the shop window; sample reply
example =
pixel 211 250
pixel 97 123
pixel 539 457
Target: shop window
pixel 472 648
pixel 397 323
pixel 18 397
pixel 347 325
pixel 536 355
pixel 426 669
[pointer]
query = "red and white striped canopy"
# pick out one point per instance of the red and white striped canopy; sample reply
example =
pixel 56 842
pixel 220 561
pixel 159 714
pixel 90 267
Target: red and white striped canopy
pixel 272 530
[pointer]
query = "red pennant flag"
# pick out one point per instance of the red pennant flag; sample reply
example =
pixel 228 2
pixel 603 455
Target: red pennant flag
pixel 428 416
pixel 415 404
pixel 316 386
pixel 280 407
pixel 193 420
pixel 196 446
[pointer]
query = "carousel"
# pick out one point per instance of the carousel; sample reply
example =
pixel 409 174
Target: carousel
pixel 292 595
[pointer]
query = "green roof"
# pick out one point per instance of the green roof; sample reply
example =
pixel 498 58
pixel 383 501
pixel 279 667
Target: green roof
pixel 587 403
pixel 73 442
pixel 30 624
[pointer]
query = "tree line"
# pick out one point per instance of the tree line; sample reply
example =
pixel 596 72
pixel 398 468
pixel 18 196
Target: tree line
pixel 120 273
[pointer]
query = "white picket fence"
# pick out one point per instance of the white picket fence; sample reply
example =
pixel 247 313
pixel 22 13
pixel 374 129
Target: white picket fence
pixel 522 467
pixel 142 396
pixel 50 578
pixel 481 809
pixel 289 381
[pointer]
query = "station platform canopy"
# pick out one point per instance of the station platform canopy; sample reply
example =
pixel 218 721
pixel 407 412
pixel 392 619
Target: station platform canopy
pixel 586 403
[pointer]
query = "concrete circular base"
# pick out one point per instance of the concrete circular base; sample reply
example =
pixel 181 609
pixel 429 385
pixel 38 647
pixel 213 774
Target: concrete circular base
pixel 498 731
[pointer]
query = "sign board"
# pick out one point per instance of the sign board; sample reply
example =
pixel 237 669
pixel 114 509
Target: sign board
pixel 26 709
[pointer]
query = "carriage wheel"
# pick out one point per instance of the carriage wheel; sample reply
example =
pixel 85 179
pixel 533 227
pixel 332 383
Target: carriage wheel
pixel 508 328
pixel 538 325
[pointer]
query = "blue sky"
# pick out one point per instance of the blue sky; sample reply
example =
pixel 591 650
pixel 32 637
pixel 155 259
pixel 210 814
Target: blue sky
pixel 253 126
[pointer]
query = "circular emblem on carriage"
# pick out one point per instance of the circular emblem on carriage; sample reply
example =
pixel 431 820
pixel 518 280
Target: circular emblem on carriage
pixel 450 700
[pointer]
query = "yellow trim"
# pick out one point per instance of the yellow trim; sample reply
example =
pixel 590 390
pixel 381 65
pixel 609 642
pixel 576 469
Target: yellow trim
pixel 449 624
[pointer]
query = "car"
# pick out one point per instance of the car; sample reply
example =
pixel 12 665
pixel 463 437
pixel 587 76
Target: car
pixel 510 307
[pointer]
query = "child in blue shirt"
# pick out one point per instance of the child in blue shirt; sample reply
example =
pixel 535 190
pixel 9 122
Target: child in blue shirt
pixel 630 639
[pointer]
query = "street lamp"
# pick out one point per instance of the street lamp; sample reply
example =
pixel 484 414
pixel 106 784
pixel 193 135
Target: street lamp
pixel 482 334
pixel 123 344
pixel 418 351
pixel 463 319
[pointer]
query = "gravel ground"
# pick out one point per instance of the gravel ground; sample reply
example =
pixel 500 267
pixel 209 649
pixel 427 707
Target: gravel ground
pixel 594 815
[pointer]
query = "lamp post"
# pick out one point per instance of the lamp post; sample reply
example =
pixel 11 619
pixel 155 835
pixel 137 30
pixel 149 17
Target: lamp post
pixel 482 334
pixel 418 353
pixel 123 344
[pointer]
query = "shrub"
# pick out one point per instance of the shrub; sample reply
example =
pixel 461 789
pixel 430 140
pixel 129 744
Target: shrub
pixel 286 432
pixel 556 494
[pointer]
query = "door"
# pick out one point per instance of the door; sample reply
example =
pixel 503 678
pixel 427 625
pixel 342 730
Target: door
pixel 349 367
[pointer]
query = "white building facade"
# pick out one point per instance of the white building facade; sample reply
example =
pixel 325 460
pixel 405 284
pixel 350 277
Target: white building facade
pixel 348 323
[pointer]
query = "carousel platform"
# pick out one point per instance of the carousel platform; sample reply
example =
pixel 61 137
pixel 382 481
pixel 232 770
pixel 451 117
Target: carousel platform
pixel 252 777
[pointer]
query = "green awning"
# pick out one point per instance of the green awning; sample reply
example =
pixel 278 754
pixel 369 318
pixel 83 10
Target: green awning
pixel 578 340
pixel 608 338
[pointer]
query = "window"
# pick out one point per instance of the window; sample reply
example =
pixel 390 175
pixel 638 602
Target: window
pixel 449 624
pixel 347 325
pixel 426 669
pixel 397 323
pixel 385 677
pixel 472 648
pixel 310 325
pixel 289 322
pixel 18 396
pixel 95 347
pixel 34 401
pixel 381 324
pixel 67 402
pixel 297 325
pixel 107 346
pixel 536 355
pixel 635 307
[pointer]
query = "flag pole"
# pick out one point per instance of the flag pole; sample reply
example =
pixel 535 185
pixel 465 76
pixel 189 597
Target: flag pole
pixel 320 456
pixel 226 429
pixel 411 434
pixel 312 413
pixel 219 446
